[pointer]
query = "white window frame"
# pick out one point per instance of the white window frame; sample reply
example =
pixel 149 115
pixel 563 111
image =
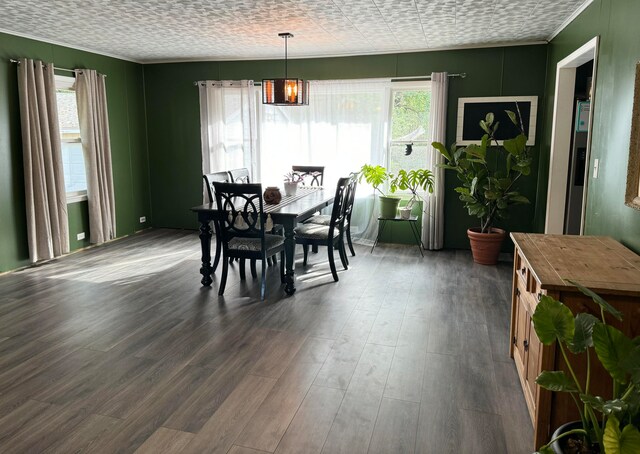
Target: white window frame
pixel 67 83
pixel 396 87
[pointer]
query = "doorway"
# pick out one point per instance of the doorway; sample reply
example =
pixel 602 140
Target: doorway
pixel 571 141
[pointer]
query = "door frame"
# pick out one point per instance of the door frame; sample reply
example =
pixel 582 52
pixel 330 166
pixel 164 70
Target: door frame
pixel 561 133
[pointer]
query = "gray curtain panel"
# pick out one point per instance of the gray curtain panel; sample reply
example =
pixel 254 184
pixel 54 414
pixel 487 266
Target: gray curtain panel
pixel 433 221
pixel 94 131
pixel 46 201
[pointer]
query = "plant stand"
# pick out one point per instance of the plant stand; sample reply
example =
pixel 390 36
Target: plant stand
pixel 413 223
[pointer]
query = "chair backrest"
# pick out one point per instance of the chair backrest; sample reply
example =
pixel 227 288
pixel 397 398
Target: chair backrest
pixel 351 196
pixel 242 210
pixel 210 178
pixel 311 175
pixel 339 203
pixel 240 175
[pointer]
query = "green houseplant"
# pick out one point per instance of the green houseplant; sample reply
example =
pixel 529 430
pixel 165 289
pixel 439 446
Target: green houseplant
pixel 412 181
pixel 376 176
pixel 489 173
pixel 606 426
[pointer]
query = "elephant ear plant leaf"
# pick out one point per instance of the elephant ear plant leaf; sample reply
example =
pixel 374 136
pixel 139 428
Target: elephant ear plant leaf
pixel 489 172
pixel 611 425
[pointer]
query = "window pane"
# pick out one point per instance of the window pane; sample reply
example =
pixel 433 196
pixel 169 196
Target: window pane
pixel 416 160
pixel 75 178
pixel 410 115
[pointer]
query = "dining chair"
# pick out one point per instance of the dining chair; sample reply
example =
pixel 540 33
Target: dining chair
pixel 209 179
pixel 311 175
pixel 325 219
pixel 330 235
pixel 242 230
pixel 240 175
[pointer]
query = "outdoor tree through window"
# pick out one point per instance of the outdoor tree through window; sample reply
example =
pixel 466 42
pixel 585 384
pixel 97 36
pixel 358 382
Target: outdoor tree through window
pixel 410 107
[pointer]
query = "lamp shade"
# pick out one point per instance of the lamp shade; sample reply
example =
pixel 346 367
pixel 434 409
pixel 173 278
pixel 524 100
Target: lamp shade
pixel 285 92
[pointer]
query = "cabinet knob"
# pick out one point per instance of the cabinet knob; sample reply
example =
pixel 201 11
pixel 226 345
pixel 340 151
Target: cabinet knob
pixel 523 270
pixel 517 292
pixel 525 343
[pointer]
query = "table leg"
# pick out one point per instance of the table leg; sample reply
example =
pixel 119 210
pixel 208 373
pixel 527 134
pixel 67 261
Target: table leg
pixel 416 234
pixel 381 224
pixel 290 252
pixel 205 242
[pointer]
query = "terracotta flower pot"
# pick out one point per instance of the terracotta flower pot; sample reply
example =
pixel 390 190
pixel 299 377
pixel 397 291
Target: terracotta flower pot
pixel 485 247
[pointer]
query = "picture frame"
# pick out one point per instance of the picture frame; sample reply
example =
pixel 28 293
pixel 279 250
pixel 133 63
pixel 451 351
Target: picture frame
pixel 472 110
pixel 632 194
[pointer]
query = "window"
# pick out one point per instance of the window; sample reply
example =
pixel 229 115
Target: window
pixel 409 124
pixel 75 177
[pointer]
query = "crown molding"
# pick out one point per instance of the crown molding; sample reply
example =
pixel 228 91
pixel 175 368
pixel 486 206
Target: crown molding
pixel 70 46
pixel 570 19
pixel 347 54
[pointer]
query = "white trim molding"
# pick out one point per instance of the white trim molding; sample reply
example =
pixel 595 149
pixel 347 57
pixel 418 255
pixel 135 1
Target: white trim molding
pixel 561 133
pixel 570 19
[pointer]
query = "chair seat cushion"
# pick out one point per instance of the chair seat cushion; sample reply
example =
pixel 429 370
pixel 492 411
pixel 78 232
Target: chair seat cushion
pixel 254 244
pixel 322 219
pixel 313 231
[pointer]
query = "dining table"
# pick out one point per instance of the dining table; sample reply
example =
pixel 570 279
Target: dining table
pixel 290 211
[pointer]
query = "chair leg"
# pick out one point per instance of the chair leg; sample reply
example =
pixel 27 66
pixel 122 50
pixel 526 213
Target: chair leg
pixel 216 259
pixel 269 261
pixel 223 279
pixel 243 275
pixel 314 248
pixel 274 259
pixel 343 255
pixel 263 282
pixel 254 272
pixel 281 267
pixel 353 252
pixel 332 262
pixel 305 249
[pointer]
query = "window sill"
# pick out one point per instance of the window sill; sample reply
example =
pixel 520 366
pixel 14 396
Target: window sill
pixel 75 198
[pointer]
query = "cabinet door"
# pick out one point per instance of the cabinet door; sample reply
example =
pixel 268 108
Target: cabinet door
pixel 520 335
pixel 534 350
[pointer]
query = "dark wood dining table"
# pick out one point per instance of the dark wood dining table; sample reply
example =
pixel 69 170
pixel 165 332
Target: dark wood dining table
pixel 287 213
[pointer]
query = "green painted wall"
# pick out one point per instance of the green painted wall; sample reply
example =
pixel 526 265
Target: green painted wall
pixel 125 93
pixel 615 21
pixel 174 129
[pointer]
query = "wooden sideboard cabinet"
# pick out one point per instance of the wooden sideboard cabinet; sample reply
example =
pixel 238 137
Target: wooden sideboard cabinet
pixel 541 265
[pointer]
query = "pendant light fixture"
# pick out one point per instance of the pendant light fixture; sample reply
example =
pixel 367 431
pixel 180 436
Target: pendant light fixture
pixel 285 92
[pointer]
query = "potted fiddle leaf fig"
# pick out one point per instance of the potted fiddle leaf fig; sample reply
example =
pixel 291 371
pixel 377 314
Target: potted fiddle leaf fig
pixel 376 176
pixel 412 181
pixel 489 175
pixel 606 426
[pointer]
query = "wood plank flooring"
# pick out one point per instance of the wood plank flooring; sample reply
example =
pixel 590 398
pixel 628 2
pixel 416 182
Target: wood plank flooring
pixel 118 349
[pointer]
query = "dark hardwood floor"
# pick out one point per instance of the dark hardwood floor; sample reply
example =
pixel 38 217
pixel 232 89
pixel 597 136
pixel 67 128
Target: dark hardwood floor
pixel 119 349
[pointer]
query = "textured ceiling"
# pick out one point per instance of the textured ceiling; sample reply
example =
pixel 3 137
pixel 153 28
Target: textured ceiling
pixel 173 30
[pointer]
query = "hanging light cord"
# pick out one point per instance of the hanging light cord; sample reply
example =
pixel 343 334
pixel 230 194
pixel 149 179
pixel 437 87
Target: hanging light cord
pixel 286 38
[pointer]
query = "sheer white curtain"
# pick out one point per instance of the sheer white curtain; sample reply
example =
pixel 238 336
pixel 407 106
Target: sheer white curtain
pixel 228 126
pixel 433 219
pixel 343 127
pixel 45 196
pixel 91 96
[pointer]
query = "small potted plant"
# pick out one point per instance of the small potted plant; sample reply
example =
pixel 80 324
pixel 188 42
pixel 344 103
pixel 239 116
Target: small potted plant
pixel 606 426
pixel 291 181
pixel 412 181
pixel 489 174
pixel 376 176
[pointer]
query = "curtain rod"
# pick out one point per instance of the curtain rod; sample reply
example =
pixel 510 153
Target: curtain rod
pixel 393 79
pixel 13 60
pixel 460 75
